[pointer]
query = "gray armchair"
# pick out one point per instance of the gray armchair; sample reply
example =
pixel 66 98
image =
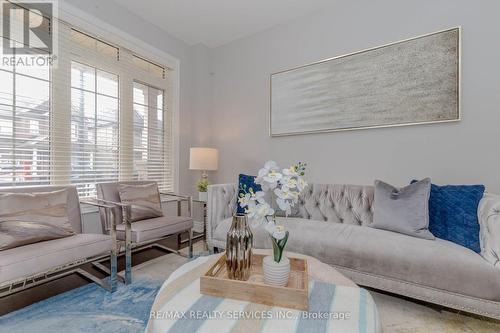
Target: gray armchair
pixel 145 233
pixel 29 265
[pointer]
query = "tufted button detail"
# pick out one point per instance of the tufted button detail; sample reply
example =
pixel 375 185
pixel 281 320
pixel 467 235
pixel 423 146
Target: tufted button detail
pixel 329 202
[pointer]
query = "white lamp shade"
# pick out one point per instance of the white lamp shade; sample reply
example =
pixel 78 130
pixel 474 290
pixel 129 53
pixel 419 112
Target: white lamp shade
pixel 206 159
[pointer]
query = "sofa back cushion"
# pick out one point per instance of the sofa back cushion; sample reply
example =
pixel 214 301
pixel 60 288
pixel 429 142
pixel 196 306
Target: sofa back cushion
pixel 109 191
pixel 349 204
pixel 245 184
pixel 144 200
pixel 73 201
pixel 403 210
pixel 453 214
pixel 27 218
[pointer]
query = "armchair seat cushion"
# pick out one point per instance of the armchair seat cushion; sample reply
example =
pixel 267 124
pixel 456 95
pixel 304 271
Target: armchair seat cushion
pixel 154 228
pixel 35 258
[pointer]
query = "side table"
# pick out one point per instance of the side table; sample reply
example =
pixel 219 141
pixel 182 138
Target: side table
pixel 204 222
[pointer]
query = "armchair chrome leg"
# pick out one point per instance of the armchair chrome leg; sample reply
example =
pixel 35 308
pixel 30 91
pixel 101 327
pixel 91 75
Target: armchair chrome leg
pixel 128 246
pixel 108 286
pixel 114 253
pixel 114 271
pixel 179 240
pixel 106 270
pixel 190 211
pixel 128 263
pixel 190 243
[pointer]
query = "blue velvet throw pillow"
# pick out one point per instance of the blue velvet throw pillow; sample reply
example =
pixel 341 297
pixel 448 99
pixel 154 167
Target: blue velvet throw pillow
pixel 453 214
pixel 246 182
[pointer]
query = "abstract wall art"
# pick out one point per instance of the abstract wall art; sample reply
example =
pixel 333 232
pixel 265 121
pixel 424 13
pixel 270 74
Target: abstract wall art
pixel 415 81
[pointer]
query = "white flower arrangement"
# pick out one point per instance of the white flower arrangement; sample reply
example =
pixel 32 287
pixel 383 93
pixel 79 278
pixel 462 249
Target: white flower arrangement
pixel 285 187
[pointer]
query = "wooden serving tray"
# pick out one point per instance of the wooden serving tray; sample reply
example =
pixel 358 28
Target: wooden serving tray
pixel 295 295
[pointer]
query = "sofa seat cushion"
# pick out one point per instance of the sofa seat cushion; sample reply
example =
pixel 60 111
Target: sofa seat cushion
pixel 154 228
pixel 39 257
pixel 436 263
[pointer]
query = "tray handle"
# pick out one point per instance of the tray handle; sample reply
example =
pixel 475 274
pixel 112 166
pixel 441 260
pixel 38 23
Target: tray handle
pixel 217 267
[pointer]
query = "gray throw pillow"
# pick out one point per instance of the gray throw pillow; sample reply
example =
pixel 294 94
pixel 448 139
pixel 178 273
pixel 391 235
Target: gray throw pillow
pixel 27 218
pixel 144 200
pixel 403 210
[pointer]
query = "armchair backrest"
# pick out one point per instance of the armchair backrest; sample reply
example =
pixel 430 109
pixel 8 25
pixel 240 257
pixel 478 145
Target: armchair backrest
pixel 109 192
pixel 74 212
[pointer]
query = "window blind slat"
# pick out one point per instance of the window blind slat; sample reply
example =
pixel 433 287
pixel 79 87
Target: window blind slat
pixel 65 125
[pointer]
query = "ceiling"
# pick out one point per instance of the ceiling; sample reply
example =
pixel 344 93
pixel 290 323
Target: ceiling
pixel 218 22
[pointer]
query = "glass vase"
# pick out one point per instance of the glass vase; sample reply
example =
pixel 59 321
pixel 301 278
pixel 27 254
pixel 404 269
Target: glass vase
pixel 239 248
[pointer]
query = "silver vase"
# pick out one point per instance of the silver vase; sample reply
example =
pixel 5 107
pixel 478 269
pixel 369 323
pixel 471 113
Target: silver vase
pixel 239 249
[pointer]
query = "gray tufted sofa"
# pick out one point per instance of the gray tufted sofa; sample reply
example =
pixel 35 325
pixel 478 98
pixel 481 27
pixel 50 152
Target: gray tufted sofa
pixel 330 223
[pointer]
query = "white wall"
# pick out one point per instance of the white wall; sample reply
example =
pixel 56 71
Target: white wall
pixel 199 131
pixel 464 152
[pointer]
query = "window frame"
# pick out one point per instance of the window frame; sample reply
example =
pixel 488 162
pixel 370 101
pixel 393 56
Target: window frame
pixel 96 95
pixel 128 46
pixel 14 167
pixel 164 127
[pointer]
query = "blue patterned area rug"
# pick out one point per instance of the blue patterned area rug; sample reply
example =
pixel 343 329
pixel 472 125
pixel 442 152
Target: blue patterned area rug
pixel 87 309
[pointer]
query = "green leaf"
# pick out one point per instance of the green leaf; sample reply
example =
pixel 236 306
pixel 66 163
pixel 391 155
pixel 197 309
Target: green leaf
pixel 276 250
pixel 279 246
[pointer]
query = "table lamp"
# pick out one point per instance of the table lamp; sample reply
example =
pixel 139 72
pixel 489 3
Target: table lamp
pixel 203 159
